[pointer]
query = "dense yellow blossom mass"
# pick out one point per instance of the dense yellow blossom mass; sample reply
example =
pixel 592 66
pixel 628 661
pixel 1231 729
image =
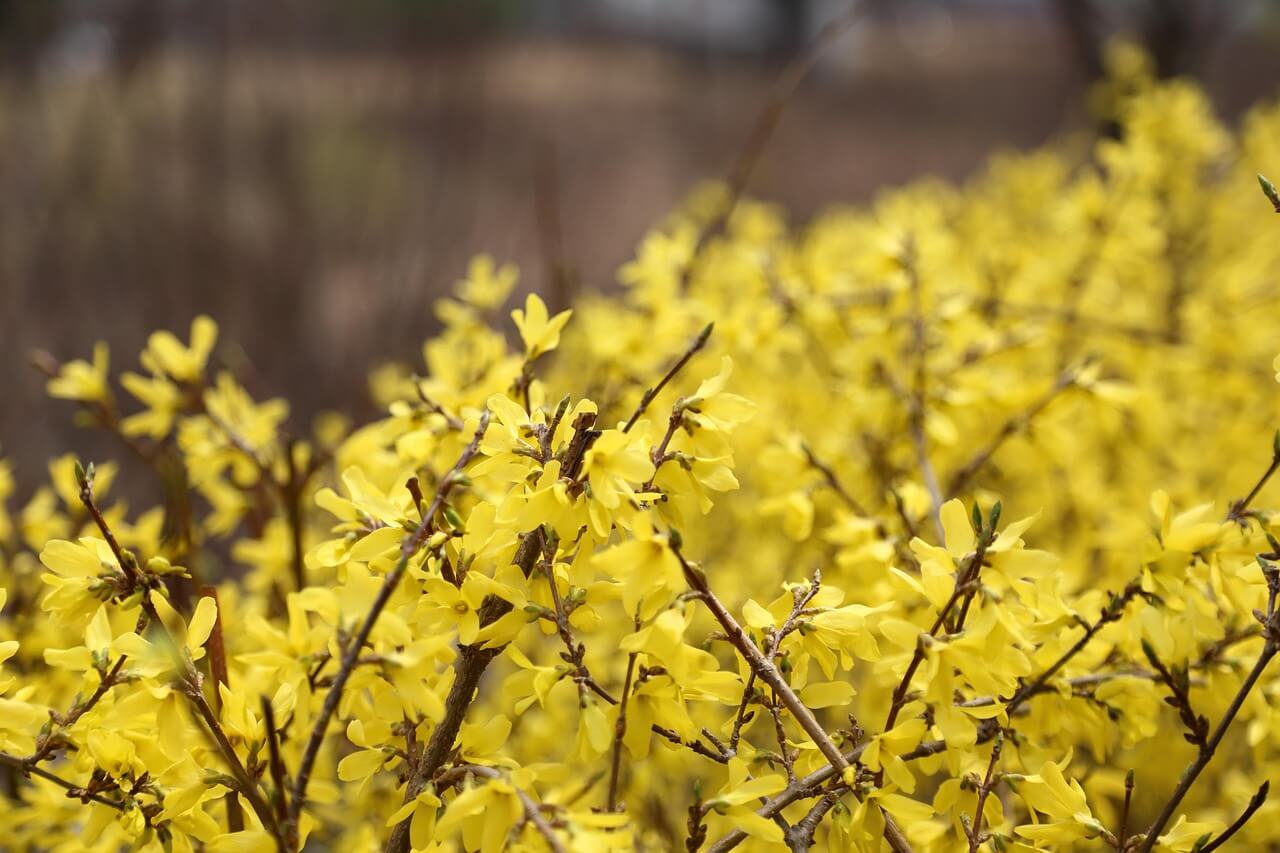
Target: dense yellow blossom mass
pixel 951 535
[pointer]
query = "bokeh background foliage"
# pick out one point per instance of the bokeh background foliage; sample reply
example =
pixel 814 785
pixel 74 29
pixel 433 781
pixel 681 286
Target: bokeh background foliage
pixel 316 174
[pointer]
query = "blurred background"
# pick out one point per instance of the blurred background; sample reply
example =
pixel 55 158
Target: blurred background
pixel 314 173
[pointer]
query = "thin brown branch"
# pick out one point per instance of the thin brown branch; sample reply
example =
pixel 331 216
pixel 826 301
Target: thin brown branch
pixel 280 793
pixel 410 546
pixel 73 790
pixel 472 661
pixel 966 576
pixel 652 392
pixel 1255 803
pixel 532 811
pixel 976 836
pixel 1111 613
pixel 767 672
pixel 216 646
pixel 1240 507
pixel 190 683
pixel 833 482
pixel 1204 754
pixel 800 836
pixel 1123 835
pixel 248 787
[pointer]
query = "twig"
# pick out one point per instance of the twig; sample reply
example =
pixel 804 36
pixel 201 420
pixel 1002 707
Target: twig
pixel 768 673
pixel 1123 835
pixel 126 560
pixel 763 667
pixel 532 811
pixel 452 421
pixel 1112 612
pixel 472 660
pixel 1205 754
pixel 576 651
pixel 410 546
pixel 650 393
pixel 984 790
pixel 216 646
pixel 620 730
pixel 800 836
pixel 1255 803
pixel 248 787
pixel 966 575
pixel 73 790
pixel 1179 685
pixel 834 483
pixel 190 682
pixel 1271 636
pixel 280 795
pixel 1238 509
pixel 806 786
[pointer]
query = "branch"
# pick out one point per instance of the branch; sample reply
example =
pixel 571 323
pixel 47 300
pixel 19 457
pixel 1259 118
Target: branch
pixel 190 682
pixel 1113 611
pixel 829 474
pixel 1240 507
pixel 1271 644
pixel 800 836
pixel 471 662
pixel 73 790
pixel 280 795
pixel 966 576
pixel 768 673
pixel 975 832
pixel 1205 754
pixel 217 648
pixel 532 812
pixel 411 544
pixel 1255 803
pixel 763 667
pixel 651 393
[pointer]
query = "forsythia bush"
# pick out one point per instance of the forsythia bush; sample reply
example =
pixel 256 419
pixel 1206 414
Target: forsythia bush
pixel 949 536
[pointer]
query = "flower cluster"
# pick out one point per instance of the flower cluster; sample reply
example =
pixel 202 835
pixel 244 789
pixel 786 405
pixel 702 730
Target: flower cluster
pixel 613 578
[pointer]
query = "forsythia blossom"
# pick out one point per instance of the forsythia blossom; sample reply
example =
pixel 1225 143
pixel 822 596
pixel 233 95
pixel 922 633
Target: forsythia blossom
pixel 958 514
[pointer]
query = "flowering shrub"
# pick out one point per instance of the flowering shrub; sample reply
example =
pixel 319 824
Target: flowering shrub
pixel 948 536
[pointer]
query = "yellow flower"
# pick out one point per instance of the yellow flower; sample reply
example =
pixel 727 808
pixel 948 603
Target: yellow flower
pixel 79 380
pixel 166 355
pixel 539 332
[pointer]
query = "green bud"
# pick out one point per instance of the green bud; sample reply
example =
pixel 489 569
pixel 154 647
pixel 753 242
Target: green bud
pixel 455 520
pixel 1269 190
